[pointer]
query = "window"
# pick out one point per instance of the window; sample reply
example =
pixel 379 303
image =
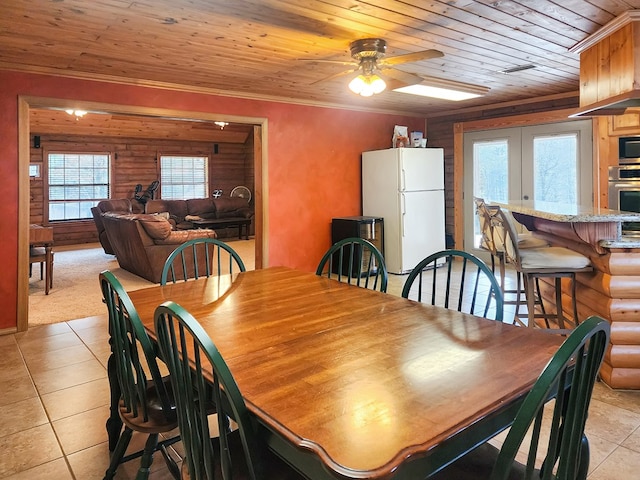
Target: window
pixel 77 182
pixel 183 177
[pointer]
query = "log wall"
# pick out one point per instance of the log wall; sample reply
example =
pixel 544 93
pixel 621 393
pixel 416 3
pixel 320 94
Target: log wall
pixel 611 291
pixel 136 161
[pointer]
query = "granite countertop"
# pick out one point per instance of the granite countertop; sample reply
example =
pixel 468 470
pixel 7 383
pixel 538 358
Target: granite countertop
pixel 560 212
pixel 631 241
pixel 577 214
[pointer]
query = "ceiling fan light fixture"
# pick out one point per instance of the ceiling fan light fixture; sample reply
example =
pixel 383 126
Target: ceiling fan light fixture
pixel 367 85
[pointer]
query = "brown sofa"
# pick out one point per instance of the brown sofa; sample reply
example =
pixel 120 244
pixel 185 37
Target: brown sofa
pixel 123 205
pixel 225 209
pixel 142 242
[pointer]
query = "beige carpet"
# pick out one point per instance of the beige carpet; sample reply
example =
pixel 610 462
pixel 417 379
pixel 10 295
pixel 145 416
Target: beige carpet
pixel 76 291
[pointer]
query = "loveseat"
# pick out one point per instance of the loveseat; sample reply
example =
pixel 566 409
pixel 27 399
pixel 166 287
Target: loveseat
pixel 224 210
pixel 142 242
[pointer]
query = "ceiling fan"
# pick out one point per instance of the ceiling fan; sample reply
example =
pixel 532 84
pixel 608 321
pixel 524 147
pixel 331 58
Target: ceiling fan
pixel 369 58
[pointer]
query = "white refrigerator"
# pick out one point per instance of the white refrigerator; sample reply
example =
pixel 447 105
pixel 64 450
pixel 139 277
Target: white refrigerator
pixel 405 186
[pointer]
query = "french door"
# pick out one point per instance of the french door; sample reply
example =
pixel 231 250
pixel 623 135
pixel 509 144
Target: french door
pixel 550 163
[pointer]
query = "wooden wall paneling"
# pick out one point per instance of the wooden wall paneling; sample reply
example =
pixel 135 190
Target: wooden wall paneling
pixel 619 75
pixel 456 186
pixel 134 161
pixel 603 70
pixel 250 175
pixel 260 199
pixel 604 155
pixel 228 168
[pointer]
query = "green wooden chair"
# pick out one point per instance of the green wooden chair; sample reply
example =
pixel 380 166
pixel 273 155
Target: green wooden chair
pixel 201 257
pixel 203 381
pixel 471 288
pixel 355 261
pixel 144 398
pixel 569 378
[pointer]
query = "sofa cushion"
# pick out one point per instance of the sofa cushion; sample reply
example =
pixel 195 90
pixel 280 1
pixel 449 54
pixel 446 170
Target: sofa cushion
pixel 178 237
pixel 177 208
pixel 115 205
pixel 201 207
pixel 157 227
pixel 229 207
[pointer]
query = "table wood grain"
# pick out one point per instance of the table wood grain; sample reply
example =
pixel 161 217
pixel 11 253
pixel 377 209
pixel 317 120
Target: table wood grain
pixel 361 382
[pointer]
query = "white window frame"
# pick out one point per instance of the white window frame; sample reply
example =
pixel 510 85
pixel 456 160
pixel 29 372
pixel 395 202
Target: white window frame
pixel 188 180
pixel 76 180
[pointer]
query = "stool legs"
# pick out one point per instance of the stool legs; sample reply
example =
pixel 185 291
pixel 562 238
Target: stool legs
pixel 533 298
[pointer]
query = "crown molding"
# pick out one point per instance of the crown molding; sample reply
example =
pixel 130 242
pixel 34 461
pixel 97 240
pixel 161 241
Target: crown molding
pixel 620 21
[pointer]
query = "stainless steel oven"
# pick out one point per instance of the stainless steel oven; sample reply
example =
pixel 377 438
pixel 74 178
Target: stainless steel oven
pixel 624 193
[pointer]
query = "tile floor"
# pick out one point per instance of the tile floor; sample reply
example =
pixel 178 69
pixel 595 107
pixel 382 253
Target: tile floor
pixel 54 402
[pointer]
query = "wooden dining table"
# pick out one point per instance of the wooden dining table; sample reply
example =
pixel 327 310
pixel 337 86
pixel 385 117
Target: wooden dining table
pixel 349 383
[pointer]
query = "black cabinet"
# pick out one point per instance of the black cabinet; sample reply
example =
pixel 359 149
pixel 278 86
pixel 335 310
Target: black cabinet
pixel 369 228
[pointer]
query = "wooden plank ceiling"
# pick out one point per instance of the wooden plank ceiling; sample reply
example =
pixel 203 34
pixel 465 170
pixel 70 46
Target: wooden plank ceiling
pixel 254 48
pixel 58 122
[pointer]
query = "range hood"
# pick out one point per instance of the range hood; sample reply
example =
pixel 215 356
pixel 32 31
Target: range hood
pixel 610 67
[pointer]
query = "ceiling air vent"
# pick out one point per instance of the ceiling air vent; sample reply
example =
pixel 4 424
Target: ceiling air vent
pixel 519 68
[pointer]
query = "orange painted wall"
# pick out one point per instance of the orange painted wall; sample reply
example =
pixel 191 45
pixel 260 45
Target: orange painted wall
pixel 313 154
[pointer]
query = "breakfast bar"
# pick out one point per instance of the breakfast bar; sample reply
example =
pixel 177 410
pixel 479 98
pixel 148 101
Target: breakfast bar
pixel 612 289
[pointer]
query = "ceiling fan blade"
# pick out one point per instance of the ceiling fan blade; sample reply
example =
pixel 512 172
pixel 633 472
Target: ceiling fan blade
pixel 336 75
pixel 335 62
pixel 412 57
pixel 404 77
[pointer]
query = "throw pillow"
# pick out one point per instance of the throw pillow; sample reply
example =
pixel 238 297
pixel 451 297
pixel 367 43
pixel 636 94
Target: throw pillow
pixel 156 227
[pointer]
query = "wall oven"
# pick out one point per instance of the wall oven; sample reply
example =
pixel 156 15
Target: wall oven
pixel 624 193
pixel 629 150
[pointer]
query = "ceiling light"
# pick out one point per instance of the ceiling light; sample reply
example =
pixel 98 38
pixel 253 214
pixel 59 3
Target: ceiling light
pixel 444 89
pixel 367 85
pixel 77 113
pixel 221 124
pixel 368 82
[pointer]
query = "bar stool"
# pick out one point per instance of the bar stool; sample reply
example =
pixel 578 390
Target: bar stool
pixel 544 262
pixel 44 258
pixel 493 239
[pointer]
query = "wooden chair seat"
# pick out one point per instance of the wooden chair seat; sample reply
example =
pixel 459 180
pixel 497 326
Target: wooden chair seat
pixel 39 255
pixel 146 400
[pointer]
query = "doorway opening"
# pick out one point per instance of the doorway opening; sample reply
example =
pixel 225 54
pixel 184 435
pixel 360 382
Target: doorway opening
pixel 28 103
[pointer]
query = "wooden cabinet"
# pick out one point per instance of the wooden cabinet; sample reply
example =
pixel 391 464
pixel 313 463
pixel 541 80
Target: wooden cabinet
pixel 627 124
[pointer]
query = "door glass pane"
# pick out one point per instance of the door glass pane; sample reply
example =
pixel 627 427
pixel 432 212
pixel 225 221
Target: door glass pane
pixel 555 161
pixel 490 174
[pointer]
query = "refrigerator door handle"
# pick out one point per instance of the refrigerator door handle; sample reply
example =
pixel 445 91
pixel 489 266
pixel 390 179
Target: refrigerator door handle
pixel 404 211
pixel 403 180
